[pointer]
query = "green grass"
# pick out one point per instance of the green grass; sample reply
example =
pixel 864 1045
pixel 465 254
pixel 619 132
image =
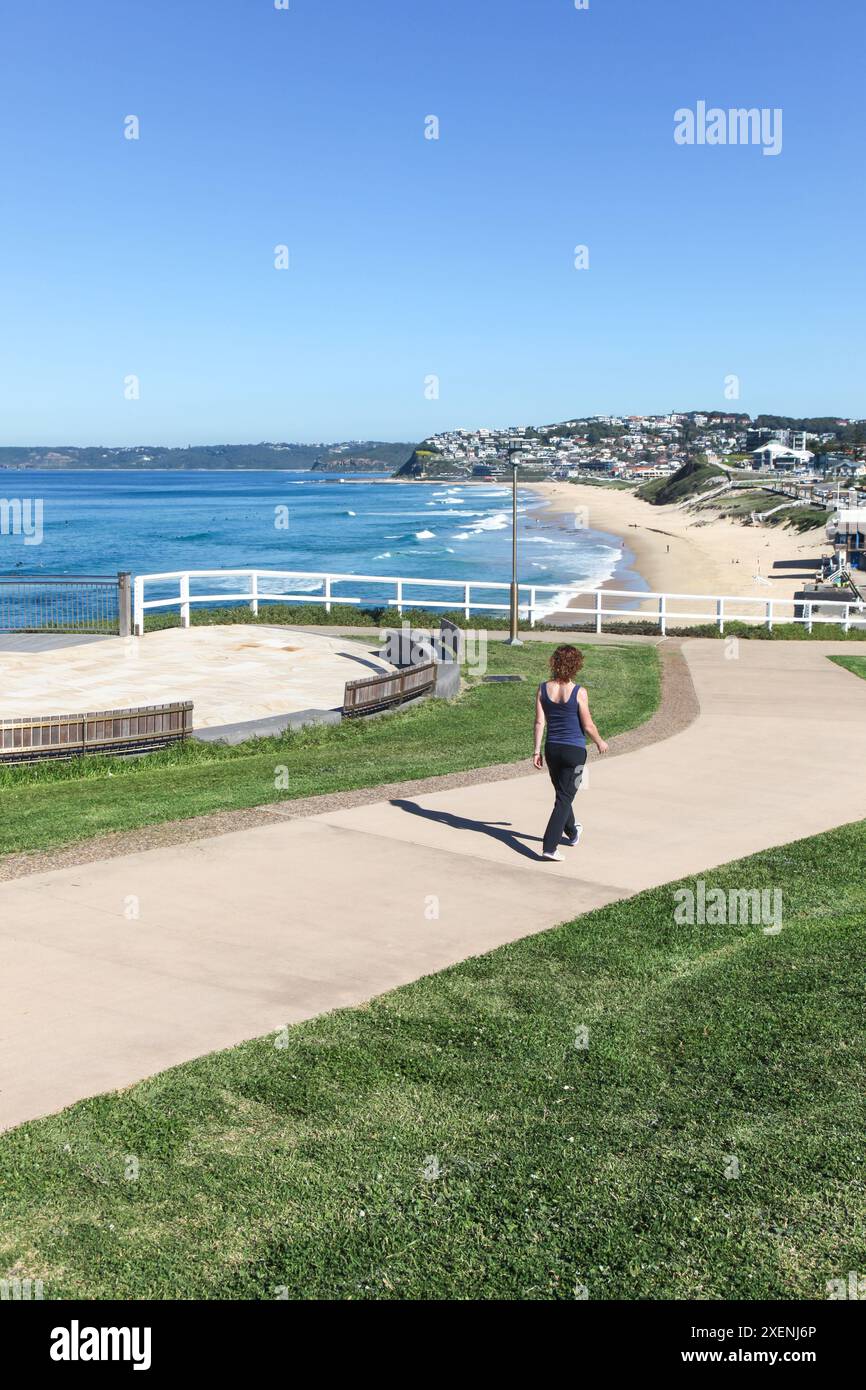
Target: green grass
pixel 857 664
pixel 379 618
pixel 55 803
pixel 780 632
pixel 314 615
pixel 740 503
pixel 691 480
pixel 800 518
pixel 450 1140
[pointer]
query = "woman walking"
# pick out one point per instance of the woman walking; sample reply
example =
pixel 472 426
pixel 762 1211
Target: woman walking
pixel 563 707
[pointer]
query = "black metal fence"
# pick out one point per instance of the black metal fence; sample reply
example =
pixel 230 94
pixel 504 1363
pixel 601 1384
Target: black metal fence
pixel 66 603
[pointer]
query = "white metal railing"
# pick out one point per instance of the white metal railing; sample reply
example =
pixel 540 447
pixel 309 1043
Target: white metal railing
pixel 663 608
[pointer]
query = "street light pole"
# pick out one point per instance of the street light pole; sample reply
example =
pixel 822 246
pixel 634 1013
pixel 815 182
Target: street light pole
pixel 513 639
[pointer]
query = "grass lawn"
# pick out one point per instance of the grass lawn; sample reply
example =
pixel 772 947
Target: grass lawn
pixel 451 1140
pixel 781 632
pixel 54 803
pixel 857 664
pixel 344 616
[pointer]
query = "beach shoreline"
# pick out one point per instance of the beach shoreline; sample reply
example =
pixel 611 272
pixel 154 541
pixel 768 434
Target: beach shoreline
pixel 673 551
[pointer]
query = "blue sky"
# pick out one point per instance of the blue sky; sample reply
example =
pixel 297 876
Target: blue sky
pixel 412 257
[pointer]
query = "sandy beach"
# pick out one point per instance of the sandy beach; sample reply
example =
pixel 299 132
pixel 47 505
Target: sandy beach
pixel 684 552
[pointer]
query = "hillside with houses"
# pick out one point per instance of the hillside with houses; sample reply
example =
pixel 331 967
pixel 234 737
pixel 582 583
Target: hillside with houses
pixel 643 448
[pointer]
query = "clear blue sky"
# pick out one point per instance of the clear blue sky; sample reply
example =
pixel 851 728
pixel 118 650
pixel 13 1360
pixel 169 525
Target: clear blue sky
pixel 412 257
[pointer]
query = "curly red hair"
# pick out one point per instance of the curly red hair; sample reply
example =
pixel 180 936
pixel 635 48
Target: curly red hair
pixel 565 663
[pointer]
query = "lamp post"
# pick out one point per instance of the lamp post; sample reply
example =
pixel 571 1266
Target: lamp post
pixel 513 639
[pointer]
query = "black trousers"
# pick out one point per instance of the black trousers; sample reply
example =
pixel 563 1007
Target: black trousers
pixel 565 765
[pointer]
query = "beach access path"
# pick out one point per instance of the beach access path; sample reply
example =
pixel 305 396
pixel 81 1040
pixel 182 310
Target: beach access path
pixel 113 970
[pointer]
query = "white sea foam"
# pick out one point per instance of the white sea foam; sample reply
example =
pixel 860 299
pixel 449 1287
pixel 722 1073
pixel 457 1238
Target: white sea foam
pixel 454 511
pixel 594 570
pixel 424 535
pixel 498 522
pixel 292 586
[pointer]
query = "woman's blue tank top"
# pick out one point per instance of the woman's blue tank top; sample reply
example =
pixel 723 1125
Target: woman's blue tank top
pixel 563 720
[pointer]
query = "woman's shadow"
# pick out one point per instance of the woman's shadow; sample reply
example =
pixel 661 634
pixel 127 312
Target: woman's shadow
pixel 493 828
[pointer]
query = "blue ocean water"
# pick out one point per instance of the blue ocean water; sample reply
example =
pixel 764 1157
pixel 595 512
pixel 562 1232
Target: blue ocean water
pixel 154 521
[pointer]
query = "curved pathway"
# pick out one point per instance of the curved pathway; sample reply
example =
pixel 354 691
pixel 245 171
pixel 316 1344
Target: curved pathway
pixel 110 971
pixel 677 708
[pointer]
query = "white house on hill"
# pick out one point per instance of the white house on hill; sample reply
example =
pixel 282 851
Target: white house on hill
pixel 775 455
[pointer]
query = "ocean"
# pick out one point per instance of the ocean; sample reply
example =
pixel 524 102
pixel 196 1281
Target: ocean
pixel 153 521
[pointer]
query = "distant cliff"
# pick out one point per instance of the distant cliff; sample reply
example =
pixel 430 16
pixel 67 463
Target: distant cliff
pixel 426 463
pixel 377 456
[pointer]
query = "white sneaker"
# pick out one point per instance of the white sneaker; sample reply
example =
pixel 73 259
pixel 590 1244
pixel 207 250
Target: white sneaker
pixel 578 831
pixel 556 855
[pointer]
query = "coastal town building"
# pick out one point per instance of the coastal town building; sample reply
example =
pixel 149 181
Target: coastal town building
pixel 847 533
pixel 782 457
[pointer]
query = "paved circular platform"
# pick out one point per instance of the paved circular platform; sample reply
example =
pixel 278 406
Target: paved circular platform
pixel 232 673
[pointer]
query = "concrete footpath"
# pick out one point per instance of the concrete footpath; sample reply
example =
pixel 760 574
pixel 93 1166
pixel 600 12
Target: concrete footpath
pixel 113 970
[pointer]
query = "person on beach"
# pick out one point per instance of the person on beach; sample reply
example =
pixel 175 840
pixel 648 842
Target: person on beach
pixel 563 708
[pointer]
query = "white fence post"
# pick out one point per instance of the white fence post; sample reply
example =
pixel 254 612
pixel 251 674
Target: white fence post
pixel 184 600
pixel 598 610
pixel 400 597
pixel 254 593
pixel 769 615
pixel 808 617
pixel 663 624
pixel 327 593
pixel 846 626
pixel 467 605
pixel 720 614
pixel 138 607
pixel 532 607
